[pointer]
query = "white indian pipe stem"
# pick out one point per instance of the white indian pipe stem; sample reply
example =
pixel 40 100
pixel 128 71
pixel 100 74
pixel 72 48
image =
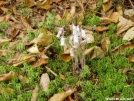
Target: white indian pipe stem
pixel 60 31
pixel 62 41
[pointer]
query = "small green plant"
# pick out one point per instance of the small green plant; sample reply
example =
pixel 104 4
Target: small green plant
pixel 4 26
pixel 49 22
pixel 26 12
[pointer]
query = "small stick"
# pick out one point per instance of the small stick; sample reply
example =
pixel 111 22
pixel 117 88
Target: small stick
pixel 51 71
pixel 131 4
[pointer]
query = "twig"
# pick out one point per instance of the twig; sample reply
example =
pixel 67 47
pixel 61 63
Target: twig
pixel 131 4
pixel 51 71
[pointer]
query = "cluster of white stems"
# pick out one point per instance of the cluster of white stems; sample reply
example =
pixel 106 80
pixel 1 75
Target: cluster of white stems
pixel 76 44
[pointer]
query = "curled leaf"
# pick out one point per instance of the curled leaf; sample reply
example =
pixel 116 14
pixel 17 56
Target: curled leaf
pixel 44 82
pixel 101 28
pixel 129 35
pixel 44 38
pixel 66 56
pixel 8 76
pixel 61 96
pixel 105 43
pixel 123 25
pixel 33 49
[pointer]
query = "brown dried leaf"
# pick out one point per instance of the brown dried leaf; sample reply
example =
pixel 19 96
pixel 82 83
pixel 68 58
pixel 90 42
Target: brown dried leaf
pixel 127 70
pixel 45 4
pixel 101 28
pixel 21 58
pixel 7 90
pixel 34 93
pixel 97 53
pixel 61 96
pixel 113 17
pixel 88 51
pixel 66 56
pixel 33 49
pixel 131 58
pixel 107 5
pixel 8 76
pixel 129 12
pixel 44 38
pixel 23 79
pixel 89 34
pixel 4 40
pixel 123 25
pixel 129 35
pixel 44 82
pixel 73 8
pixel 4 18
pixel 57 1
pixel 41 61
pixel 30 3
pixel 25 23
pixel 122 48
pixel 2 3
pixel 105 43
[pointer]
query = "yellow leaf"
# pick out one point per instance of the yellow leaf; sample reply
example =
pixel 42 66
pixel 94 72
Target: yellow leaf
pixel 107 5
pixel 4 40
pixel 101 28
pixel 129 35
pixel 97 53
pixel 105 43
pixel 61 96
pixel 45 4
pixel 44 82
pixel 66 56
pixel 62 76
pixel 23 79
pixel 44 38
pixel 7 90
pixel 30 3
pixel 8 76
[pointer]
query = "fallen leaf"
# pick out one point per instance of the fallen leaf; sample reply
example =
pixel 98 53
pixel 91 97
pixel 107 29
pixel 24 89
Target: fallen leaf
pixel 44 38
pixel 62 76
pixel 105 43
pixel 2 3
pixel 4 40
pixel 33 49
pixel 97 53
pixel 35 93
pixel 57 1
pixel 30 3
pixel 121 48
pixel 131 58
pixel 88 51
pixel 61 96
pixel 129 12
pixel 107 5
pixel 66 56
pixel 123 25
pixel 127 70
pixel 44 82
pixel 129 35
pixel 101 28
pixel 113 17
pixel 7 90
pixel 4 18
pixel 45 4
pixel 8 76
pixel 25 23
pixel 21 58
pixel 23 79
pixel 89 35
pixel 41 61
pixel 72 11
